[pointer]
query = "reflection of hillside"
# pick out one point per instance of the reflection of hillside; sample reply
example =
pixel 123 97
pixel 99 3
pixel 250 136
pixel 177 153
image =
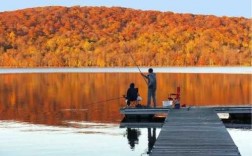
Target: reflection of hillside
pixel 42 98
pixel 209 89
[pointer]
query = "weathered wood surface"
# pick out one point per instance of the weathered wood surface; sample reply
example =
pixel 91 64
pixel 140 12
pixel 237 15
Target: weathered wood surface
pixel 141 125
pixel 194 132
pixel 227 109
pixel 141 111
pixel 237 110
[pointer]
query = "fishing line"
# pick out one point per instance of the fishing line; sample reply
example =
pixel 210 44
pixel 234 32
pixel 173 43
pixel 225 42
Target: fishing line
pixel 76 109
pixel 107 100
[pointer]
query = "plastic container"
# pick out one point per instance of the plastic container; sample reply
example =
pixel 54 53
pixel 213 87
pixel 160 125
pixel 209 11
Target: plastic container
pixel 167 103
pixel 177 106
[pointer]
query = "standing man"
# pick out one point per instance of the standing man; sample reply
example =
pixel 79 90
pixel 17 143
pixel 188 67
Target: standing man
pixel 152 85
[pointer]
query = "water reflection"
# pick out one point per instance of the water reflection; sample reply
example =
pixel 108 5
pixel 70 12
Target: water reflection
pixel 132 135
pixel 134 127
pixel 53 98
pixel 96 139
pixel 68 105
pixel 151 139
pixel 242 138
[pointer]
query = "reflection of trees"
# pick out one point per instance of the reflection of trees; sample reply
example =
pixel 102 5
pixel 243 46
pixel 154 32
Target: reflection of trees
pixel 132 135
pixel 39 98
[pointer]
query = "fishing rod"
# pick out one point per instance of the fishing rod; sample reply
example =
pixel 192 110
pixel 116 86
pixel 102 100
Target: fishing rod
pixel 108 100
pixel 137 66
pixel 76 109
pixel 134 62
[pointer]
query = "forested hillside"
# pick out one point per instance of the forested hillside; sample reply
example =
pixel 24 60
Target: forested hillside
pixel 106 37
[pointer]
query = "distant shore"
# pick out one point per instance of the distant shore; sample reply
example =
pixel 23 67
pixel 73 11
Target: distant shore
pixel 220 70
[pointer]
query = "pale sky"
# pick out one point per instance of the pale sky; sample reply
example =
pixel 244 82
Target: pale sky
pixel 206 7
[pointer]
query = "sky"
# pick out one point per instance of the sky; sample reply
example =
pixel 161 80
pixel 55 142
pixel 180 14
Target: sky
pixel 229 8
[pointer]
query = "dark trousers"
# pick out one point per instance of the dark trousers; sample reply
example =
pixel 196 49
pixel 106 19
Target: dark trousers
pixel 151 94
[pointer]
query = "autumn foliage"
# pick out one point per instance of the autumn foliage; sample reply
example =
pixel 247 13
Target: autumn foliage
pixel 105 37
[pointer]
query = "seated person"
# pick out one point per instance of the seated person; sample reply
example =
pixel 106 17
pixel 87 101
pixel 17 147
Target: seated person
pixel 132 94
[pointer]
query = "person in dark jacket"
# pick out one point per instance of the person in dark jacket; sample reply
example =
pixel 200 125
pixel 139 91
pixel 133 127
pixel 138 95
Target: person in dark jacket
pixel 132 94
pixel 152 86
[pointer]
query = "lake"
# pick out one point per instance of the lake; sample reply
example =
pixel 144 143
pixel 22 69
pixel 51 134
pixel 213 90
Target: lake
pixel 75 111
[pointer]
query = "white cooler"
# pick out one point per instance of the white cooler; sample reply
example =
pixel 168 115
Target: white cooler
pixel 167 103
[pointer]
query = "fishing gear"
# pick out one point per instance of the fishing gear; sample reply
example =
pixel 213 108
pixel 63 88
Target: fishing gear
pixel 108 100
pixel 137 66
pixel 75 109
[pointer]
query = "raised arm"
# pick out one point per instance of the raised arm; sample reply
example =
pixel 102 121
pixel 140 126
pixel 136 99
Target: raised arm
pixel 145 76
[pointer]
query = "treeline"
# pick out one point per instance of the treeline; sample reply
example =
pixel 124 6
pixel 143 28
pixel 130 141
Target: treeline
pixel 106 37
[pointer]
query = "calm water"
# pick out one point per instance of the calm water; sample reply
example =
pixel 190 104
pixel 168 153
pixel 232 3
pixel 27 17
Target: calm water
pixel 64 113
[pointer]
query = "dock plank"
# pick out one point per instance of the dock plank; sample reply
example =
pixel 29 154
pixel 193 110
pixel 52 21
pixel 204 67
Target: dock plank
pixel 194 131
pixel 142 111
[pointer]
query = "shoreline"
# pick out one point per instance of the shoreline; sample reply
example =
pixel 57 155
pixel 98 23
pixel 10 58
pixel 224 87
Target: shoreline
pixel 195 70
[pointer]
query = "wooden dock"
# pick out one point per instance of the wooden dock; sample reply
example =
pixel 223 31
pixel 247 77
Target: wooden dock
pixel 165 110
pixel 194 132
pixel 141 125
pixel 144 111
pixel 234 109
